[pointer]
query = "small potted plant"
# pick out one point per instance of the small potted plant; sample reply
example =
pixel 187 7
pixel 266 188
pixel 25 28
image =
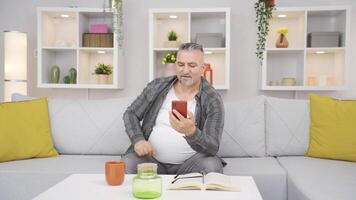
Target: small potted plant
pixel 172 40
pixel 103 73
pixel 169 59
pixel 264 9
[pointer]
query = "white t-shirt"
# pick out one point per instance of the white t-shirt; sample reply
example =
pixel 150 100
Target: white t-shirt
pixel 170 146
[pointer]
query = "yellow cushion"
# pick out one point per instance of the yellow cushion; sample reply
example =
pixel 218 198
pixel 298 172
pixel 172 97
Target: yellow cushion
pixel 25 130
pixel 332 128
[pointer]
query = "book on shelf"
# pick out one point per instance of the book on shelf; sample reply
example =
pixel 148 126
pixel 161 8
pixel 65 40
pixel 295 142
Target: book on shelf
pixel 201 181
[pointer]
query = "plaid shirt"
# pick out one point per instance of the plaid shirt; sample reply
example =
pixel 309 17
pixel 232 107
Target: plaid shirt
pixel 209 115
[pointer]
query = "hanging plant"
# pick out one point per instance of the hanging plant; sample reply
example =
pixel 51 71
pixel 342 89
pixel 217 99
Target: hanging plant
pixel 116 7
pixel 264 9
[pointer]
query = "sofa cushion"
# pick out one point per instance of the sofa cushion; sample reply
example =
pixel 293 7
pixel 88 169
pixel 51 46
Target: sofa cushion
pixel 68 164
pixel 319 179
pixel 243 133
pixel 287 126
pixel 26 179
pixel 89 126
pixel 25 130
pixel 333 128
pixel 269 176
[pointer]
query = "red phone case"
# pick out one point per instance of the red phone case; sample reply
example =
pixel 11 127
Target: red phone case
pixel 180 106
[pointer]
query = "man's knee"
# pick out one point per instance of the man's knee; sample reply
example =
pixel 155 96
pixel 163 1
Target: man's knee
pixel 210 164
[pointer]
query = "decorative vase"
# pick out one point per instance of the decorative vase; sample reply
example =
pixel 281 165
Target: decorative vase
pixel 170 69
pixel 72 76
pixel 269 3
pixel 208 73
pixel 282 41
pixel 66 79
pixel 102 78
pixel 55 73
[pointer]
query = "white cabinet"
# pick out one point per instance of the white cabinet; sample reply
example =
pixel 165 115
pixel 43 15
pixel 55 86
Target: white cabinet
pixel 317 55
pixel 210 26
pixel 60 42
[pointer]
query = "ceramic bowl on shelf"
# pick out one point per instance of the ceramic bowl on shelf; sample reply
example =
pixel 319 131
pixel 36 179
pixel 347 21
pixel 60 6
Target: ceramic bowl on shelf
pixel 288 81
pixel 273 83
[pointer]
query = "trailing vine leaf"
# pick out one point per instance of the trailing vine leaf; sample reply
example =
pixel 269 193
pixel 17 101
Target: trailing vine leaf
pixel 118 25
pixel 263 14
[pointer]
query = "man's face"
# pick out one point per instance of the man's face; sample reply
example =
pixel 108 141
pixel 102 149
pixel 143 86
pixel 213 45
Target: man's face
pixel 189 67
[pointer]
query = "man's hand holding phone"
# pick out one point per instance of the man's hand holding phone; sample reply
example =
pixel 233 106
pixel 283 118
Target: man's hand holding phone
pixel 182 120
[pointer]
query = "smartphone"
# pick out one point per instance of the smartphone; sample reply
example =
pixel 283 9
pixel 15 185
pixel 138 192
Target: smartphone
pixel 181 107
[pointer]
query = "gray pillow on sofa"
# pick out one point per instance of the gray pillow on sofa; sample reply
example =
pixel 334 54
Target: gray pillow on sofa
pixel 244 129
pixel 287 126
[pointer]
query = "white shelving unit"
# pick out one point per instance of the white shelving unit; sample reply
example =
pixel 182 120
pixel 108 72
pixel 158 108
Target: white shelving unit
pixel 313 68
pixel 60 42
pixel 187 24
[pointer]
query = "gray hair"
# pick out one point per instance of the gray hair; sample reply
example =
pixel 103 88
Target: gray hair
pixel 190 46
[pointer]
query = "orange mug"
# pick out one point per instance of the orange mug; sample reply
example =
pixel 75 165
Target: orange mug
pixel 115 172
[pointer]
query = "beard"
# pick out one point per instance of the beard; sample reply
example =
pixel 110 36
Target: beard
pixel 186 80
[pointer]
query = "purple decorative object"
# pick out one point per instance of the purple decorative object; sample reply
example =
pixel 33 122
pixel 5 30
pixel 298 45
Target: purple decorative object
pixel 98 28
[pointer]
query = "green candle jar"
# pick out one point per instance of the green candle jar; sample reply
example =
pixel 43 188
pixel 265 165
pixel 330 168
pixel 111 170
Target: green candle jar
pixel 147 184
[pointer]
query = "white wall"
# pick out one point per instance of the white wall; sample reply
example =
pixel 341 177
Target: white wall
pixel 245 71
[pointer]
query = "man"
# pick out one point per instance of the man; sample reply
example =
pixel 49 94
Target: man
pixel 177 144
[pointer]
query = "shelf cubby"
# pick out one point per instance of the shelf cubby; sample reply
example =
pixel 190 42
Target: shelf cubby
pixel 325 67
pixel 64 59
pixel 88 59
pixel 321 21
pixel 294 21
pixel 166 22
pixel 208 22
pixel 59 29
pixel 285 64
pixel 320 67
pixel 87 18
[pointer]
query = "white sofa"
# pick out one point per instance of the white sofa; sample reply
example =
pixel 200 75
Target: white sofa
pixel 263 137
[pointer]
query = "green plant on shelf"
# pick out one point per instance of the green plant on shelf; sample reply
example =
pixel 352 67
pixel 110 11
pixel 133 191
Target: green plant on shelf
pixel 104 69
pixel 169 57
pixel 172 35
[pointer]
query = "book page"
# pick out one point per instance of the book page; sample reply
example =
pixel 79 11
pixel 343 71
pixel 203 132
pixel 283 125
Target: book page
pixel 188 182
pixel 217 181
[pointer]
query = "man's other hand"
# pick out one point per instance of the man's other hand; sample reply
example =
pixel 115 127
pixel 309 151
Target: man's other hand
pixel 143 148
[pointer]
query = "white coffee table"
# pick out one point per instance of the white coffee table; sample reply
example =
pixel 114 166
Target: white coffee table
pixel 93 186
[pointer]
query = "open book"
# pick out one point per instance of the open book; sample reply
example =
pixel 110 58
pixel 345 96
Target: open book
pixel 198 181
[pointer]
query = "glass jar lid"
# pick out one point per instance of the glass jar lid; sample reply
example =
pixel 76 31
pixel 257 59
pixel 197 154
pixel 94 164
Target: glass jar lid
pixel 147 167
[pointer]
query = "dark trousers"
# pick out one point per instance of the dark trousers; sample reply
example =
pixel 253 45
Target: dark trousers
pixel 196 163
